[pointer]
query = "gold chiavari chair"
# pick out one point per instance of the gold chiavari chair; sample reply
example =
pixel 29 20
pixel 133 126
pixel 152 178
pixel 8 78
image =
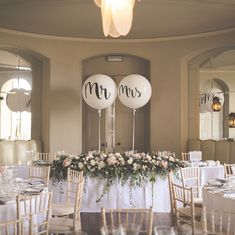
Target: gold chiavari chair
pixel 34 212
pixel 74 181
pixel 190 177
pixel 229 170
pixel 185 156
pixel 185 211
pixel 66 225
pixel 41 173
pixel 45 156
pixel 116 217
pixel 217 222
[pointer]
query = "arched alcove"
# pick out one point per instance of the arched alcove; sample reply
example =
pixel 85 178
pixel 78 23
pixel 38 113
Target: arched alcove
pixel 195 65
pixel 116 121
pixel 39 81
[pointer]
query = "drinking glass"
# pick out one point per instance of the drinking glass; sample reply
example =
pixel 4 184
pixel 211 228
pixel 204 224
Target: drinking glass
pixel 80 232
pixel 106 230
pixel 184 229
pixel 129 229
pixel 164 230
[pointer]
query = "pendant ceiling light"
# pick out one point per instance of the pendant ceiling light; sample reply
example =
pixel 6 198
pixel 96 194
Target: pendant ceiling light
pixel 231 120
pixel 117 16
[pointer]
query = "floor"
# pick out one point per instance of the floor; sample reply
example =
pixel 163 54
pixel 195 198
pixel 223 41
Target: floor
pixel 91 222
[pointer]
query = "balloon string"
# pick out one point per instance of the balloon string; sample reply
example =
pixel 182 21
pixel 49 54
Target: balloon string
pixel 133 137
pixel 99 113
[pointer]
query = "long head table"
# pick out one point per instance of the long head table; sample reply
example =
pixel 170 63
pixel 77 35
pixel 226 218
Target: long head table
pixel 123 196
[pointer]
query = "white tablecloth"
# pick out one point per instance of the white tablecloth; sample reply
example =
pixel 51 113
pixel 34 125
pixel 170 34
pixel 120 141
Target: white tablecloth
pixel 155 195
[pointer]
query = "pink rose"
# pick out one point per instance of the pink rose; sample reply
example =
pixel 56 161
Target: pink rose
pixel 66 162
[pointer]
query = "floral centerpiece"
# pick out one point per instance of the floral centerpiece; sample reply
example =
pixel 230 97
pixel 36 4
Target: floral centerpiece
pixel 127 167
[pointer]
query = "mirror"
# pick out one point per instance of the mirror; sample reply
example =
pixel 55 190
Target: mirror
pixel 217 84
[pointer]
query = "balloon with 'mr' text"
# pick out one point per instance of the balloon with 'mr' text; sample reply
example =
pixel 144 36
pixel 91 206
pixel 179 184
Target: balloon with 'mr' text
pixel 134 91
pixel 99 91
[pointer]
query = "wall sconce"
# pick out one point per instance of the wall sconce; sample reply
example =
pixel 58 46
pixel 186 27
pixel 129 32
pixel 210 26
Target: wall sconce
pixel 231 120
pixel 216 105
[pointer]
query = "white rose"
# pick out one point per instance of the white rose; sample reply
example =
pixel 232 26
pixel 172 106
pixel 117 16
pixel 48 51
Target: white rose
pixel 117 154
pixel 135 166
pixel 80 165
pixel 130 160
pixel 102 165
pixel 92 162
pixel 148 158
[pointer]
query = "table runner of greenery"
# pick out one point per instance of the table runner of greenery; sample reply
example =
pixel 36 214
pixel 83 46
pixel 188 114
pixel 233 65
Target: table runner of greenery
pixel 127 167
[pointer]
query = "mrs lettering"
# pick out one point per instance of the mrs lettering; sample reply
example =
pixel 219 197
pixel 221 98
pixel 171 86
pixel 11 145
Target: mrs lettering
pixel 99 90
pixel 132 93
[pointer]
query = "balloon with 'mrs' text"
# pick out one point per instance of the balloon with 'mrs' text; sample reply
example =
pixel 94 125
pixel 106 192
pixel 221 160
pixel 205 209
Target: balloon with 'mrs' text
pixel 134 91
pixel 99 91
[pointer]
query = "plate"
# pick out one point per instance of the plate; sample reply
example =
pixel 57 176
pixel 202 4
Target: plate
pixel 222 180
pixel 229 192
pixel 214 183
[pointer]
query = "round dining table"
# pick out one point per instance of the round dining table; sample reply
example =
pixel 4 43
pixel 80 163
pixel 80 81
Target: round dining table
pixel 222 200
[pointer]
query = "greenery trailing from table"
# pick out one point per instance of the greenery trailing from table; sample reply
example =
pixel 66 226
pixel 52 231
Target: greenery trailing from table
pixel 127 167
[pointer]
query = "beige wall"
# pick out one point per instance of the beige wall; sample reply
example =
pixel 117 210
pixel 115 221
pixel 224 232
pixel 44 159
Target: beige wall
pixel 62 118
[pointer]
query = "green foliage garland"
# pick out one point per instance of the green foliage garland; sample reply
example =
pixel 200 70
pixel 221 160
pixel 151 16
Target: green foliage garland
pixel 126 167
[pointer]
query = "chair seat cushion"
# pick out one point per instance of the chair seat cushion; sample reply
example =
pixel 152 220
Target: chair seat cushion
pixel 60 225
pixel 62 209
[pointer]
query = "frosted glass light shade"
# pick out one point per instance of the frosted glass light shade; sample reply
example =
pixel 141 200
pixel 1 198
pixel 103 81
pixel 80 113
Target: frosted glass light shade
pixel 116 15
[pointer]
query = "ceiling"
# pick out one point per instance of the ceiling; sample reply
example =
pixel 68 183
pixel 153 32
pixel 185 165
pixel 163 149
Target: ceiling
pixel 152 18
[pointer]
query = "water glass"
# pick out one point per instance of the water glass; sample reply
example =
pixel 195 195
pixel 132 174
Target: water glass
pixel 129 229
pixel 184 229
pixel 80 232
pixel 106 230
pixel 164 230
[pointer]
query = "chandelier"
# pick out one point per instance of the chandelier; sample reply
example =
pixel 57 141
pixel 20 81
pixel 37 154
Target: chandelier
pixel 117 16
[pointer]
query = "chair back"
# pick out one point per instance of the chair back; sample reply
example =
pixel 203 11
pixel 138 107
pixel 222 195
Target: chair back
pixel 190 177
pixel 35 210
pixel 74 179
pixel 45 156
pixel 78 199
pixel 11 227
pixel 218 222
pixel 185 156
pixel 116 217
pixel 183 198
pixel 229 170
pixel 40 173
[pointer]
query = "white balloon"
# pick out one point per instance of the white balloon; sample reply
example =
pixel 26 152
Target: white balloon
pixel 134 91
pixel 99 91
pixel 18 100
